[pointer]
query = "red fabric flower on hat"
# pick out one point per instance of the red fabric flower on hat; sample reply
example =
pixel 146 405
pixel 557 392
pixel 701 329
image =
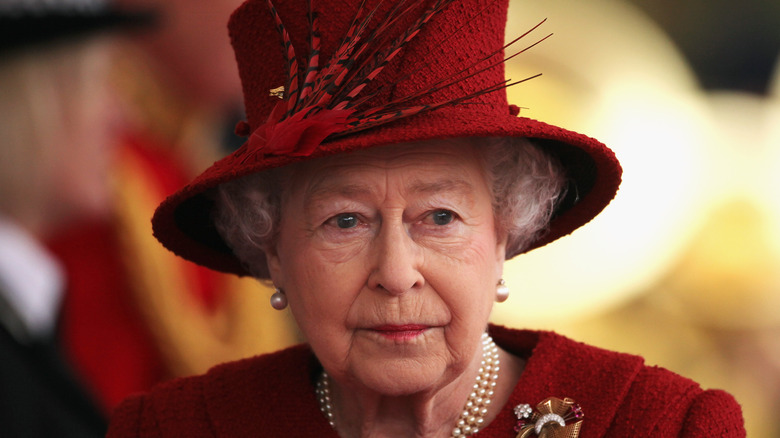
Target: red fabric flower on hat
pixel 297 135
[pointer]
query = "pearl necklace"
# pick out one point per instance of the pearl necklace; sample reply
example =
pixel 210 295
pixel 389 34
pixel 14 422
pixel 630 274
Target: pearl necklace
pixel 473 416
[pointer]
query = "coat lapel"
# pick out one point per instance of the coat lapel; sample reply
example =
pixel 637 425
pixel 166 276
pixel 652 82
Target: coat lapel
pixel 556 366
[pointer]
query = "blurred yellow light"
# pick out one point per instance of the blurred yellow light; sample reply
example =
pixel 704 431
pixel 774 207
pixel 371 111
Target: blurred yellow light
pixel 730 275
pixel 772 185
pixel 610 73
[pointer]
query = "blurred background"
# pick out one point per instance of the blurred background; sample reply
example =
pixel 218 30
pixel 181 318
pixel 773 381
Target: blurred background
pixel 683 267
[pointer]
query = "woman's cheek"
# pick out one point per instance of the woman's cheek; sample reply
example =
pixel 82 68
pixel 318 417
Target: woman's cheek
pixel 338 248
pixel 459 244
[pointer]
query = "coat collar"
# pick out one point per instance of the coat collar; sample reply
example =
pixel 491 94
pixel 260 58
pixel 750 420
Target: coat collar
pixel 598 380
pixel 32 282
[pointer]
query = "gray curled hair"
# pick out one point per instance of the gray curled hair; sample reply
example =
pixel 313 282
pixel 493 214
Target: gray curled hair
pixel 525 183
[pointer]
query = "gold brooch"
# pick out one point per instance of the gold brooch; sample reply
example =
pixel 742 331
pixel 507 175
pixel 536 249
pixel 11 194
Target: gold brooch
pixel 552 418
pixel 277 92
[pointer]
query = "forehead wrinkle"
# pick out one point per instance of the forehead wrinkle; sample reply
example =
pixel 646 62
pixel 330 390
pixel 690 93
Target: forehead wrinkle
pixel 337 182
pixel 325 187
pixel 457 186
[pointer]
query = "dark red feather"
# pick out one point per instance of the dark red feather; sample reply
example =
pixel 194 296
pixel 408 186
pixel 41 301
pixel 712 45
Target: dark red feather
pixel 325 103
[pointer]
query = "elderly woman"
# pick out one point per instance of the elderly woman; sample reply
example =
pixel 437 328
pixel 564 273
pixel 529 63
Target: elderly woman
pixel 384 183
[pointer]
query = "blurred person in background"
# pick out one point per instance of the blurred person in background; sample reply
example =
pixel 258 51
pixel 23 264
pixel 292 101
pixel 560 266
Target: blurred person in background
pixel 57 131
pixel 135 314
pixel 181 82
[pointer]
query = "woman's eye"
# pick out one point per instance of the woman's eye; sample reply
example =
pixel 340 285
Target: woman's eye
pixel 442 217
pixel 346 220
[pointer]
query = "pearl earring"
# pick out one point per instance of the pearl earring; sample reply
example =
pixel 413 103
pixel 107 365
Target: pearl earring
pixel 278 299
pixel 502 291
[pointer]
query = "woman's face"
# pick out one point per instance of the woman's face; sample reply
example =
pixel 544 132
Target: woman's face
pixel 389 258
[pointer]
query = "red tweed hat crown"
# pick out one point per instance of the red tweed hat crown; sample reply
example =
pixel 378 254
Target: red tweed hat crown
pixel 353 75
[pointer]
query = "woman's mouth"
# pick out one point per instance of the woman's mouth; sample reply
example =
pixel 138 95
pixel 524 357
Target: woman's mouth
pixel 403 332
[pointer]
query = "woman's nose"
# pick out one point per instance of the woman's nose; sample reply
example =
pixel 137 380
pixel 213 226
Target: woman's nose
pixel 397 260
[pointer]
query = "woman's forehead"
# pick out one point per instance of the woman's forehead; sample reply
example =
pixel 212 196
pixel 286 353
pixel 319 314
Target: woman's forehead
pixel 420 167
pixel 435 155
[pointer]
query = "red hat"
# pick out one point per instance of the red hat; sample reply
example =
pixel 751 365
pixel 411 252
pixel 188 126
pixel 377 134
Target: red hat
pixel 372 73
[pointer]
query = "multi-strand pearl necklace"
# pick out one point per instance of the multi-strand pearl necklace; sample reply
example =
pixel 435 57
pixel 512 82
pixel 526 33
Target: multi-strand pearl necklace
pixel 473 416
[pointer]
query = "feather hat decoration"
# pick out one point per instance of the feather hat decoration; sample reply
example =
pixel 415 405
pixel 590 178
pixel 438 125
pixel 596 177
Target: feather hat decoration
pixel 375 72
pixel 327 102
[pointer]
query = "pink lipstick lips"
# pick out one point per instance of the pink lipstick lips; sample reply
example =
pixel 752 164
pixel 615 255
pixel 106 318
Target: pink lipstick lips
pixel 403 332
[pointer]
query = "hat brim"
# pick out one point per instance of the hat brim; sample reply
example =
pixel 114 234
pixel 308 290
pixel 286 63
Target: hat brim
pixel 184 225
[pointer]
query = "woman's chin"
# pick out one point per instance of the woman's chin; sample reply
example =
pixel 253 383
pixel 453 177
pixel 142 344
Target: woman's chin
pixel 402 377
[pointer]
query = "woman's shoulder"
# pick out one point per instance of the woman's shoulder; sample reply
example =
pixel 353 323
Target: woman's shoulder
pixel 288 367
pixel 619 394
pixel 556 356
pixel 227 394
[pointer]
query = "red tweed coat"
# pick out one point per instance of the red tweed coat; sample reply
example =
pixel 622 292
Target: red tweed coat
pixel 273 396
